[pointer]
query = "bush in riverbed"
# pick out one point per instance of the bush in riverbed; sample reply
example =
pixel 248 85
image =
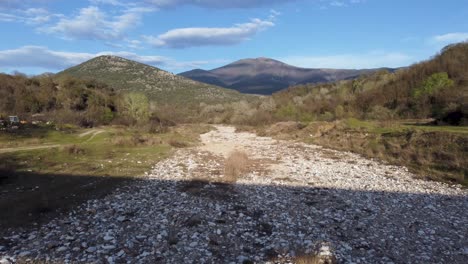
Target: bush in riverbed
pixel 235 166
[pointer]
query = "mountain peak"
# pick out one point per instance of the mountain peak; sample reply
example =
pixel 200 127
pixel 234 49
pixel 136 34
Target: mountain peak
pixel 265 75
pixel 259 60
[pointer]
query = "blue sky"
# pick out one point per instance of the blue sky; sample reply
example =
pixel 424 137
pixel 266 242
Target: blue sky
pixel 178 35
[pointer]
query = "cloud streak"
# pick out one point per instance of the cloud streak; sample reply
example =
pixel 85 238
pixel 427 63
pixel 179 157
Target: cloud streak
pixel 44 58
pixel 351 61
pixel 217 4
pixel 451 37
pixel 210 36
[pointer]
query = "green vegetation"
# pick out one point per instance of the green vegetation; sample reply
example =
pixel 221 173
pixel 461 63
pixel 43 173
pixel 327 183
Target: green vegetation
pixel 115 151
pixel 76 165
pixel 373 115
pixel 436 89
pixel 160 86
pixel 416 116
pixel 432 152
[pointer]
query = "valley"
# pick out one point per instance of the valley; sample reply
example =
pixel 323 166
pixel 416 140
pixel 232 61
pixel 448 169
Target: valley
pixel 116 161
pixel 293 202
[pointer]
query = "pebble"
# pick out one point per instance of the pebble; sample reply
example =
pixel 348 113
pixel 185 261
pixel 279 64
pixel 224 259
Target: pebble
pixel 91 249
pixel 61 249
pixel 297 198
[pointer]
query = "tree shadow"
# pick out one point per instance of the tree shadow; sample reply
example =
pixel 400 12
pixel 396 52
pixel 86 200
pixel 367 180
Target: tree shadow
pixel 229 222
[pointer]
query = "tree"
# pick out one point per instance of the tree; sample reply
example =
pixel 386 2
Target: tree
pixel 433 84
pixel 136 106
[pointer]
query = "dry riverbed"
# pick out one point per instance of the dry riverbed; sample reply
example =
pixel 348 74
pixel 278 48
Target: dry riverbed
pixel 294 199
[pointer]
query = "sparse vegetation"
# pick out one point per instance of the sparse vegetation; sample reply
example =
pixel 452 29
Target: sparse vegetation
pixel 433 152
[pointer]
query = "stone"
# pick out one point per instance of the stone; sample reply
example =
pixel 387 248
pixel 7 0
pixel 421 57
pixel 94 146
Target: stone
pixel 193 244
pixel 91 249
pixel 61 249
pixel 108 238
pixel 108 247
pixel 24 253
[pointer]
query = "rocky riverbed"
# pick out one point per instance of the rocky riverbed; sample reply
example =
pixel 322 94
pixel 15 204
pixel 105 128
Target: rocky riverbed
pixel 296 200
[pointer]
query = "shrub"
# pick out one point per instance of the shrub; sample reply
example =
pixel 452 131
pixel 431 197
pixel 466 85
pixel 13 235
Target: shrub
pixel 75 150
pixel 177 143
pixel 380 113
pixel 236 165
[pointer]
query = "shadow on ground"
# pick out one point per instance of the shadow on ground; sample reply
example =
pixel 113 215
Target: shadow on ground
pixel 28 198
pixel 255 221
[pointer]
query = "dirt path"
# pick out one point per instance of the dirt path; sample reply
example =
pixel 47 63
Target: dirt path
pixel 92 133
pixel 7 150
pixel 295 199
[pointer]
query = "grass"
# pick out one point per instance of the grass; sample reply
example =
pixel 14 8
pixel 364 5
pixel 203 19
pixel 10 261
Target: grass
pixel 37 184
pixel 400 126
pixel 131 156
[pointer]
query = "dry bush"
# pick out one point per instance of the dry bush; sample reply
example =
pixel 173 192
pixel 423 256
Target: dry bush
pixel 236 165
pixel 135 140
pixel 308 259
pixel 314 259
pixel 322 254
pixel 177 143
pixel 75 150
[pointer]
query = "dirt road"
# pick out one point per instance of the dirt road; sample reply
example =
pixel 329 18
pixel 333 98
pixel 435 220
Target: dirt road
pixel 7 150
pixel 294 198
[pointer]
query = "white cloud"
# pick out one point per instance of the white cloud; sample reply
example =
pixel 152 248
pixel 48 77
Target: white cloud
pixel 451 37
pixel 31 16
pixel 46 59
pixel 195 37
pixel 16 4
pixel 220 4
pixel 108 2
pixel 92 23
pixel 95 24
pixel 337 3
pixel 325 4
pixel 368 60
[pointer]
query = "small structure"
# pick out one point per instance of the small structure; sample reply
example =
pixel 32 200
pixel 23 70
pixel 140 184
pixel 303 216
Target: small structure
pixel 14 119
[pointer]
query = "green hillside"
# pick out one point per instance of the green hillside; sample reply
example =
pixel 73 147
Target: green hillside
pixel 158 85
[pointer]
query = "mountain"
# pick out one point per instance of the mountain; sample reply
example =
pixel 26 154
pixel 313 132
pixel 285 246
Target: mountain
pixel 161 86
pixel 266 76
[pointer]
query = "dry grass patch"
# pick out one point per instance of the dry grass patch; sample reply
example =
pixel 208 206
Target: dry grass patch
pixel 313 259
pixel 177 143
pixel 236 164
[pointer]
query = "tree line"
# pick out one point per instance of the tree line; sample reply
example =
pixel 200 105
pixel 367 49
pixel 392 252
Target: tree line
pixel 69 100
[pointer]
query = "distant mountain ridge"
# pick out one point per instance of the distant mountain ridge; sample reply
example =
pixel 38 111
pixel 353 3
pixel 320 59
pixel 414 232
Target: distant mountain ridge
pixel 165 87
pixel 266 76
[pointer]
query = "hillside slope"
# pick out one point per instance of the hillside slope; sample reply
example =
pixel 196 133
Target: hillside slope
pixel 266 76
pixel 159 85
pixel 436 88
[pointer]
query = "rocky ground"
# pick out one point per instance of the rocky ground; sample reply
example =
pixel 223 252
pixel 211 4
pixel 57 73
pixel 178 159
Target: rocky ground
pixel 295 200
